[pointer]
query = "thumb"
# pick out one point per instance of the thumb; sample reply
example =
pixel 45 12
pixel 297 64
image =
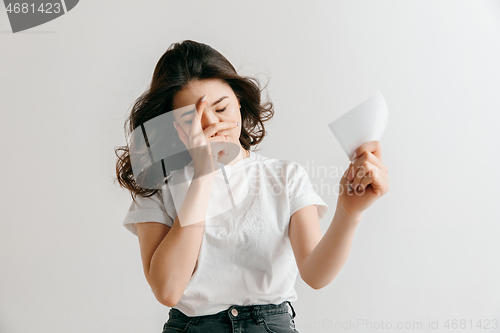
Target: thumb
pixel 181 133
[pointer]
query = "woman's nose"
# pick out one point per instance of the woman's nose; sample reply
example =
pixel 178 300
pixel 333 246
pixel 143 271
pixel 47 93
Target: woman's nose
pixel 208 119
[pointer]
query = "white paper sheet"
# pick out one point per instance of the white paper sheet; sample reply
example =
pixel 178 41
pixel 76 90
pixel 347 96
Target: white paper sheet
pixel 366 122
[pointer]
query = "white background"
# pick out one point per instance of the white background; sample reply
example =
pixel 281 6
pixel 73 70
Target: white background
pixel 428 250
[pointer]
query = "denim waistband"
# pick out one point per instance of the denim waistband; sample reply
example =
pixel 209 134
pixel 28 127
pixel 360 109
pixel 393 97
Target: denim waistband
pixel 242 311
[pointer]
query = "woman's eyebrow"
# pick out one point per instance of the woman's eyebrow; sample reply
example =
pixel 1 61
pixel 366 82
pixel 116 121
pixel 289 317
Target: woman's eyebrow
pixel 214 104
pixel 186 113
pixel 219 100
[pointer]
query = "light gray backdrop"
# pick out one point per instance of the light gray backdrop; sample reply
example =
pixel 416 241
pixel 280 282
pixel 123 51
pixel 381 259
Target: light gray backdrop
pixel 427 251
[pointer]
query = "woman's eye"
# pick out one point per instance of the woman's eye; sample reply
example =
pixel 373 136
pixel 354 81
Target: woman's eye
pixel 221 110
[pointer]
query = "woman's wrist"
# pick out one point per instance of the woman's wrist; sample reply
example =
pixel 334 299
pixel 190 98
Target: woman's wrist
pixel 346 217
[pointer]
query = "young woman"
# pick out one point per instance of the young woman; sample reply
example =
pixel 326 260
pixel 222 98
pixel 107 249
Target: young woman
pixel 234 269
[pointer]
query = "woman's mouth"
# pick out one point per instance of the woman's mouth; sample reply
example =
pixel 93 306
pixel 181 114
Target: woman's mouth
pixel 222 153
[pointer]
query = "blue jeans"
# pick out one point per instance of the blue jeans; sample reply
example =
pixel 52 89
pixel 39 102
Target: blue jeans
pixel 262 318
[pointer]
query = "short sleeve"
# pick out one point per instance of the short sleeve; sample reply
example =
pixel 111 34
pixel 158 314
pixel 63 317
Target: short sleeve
pixel 147 209
pixel 301 192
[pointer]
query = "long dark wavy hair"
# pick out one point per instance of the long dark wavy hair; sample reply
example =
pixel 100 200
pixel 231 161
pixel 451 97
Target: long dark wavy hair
pixel 181 64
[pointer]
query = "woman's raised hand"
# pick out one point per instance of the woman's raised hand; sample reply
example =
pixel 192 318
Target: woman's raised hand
pixel 204 145
pixel 365 180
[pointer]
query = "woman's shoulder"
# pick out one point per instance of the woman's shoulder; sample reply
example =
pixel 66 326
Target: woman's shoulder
pixel 270 161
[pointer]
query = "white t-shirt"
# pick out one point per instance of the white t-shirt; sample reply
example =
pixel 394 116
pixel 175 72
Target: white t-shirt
pixel 245 257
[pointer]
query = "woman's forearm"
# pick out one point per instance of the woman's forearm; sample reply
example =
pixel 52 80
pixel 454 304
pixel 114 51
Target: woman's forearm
pixel 174 260
pixel 330 254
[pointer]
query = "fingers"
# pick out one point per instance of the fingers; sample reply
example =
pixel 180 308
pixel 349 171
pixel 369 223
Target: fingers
pixel 365 170
pixel 367 152
pixel 378 181
pixel 371 175
pixel 366 157
pixel 367 180
pixel 211 130
pixel 215 128
pixel 217 138
pixel 216 135
pixel 200 106
pixel 213 144
pixel 368 169
pixel 181 133
pixel 195 128
pixel 373 147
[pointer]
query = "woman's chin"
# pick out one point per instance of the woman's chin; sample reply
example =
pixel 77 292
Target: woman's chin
pixel 229 154
pixel 222 156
